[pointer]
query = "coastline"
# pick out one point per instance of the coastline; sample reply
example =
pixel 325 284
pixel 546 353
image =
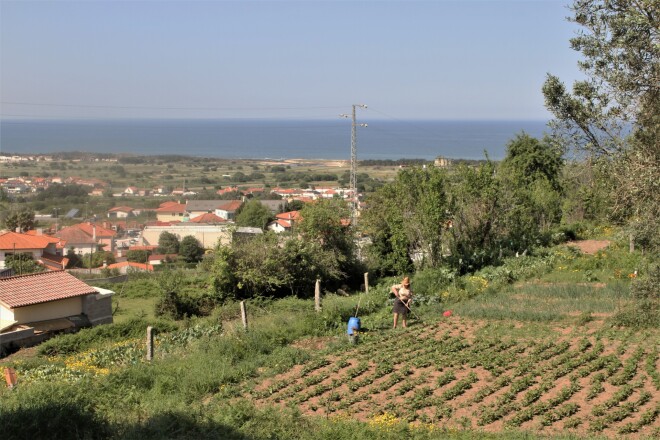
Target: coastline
pixel 266 140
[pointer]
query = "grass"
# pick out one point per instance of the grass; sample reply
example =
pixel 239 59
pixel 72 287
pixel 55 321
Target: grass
pixel 544 303
pixel 200 387
pixel 126 309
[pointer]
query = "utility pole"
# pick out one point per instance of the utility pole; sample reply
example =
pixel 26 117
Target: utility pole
pixel 353 189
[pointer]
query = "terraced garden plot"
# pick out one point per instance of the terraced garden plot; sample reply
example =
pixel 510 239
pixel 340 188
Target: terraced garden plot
pixel 442 374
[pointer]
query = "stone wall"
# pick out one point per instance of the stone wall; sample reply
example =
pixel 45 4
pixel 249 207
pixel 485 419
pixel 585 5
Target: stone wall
pixel 98 308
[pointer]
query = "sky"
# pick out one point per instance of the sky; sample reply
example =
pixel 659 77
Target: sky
pixel 446 60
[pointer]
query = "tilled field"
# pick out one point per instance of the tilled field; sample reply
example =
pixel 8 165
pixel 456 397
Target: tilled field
pixel 442 375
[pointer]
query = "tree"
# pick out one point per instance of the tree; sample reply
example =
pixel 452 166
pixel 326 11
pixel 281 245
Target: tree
pixel 103 257
pixel 74 259
pixel 620 42
pixel 528 160
pixel 69 193
pixel 293 205
pixel 168 243
pixel 138 256
pixel 22 264
pixel 190 249
pixel 266 266
pixel 475 236
pixel 530 191
pixel 388 254
pixel 408 217
pixel 325 222
pixel 22 220
pixel 254 214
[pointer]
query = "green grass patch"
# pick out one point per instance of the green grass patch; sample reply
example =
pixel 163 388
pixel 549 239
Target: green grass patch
pixel 544 303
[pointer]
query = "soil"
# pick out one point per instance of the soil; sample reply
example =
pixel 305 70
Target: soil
pixel 463 407
pixel 589 246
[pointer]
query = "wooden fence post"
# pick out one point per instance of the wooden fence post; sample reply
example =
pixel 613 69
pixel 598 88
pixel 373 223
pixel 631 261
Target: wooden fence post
pixel 317 296
pixel 244 315
pixel 366 282
pixel 10 377
pixel 150 343
pixel 632 244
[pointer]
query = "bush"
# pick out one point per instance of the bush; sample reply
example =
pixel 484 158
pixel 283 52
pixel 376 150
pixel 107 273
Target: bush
pixel 644 311
pixel 176 306
pixel 86 338
pixel 432 281
pixel 52 410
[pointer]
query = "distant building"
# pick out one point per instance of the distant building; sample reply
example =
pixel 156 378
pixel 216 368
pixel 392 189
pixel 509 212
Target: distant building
pixel 120 212
pixel 284 222
pixel 227 210
pixel 170 211
pixel 442 162
pixel 87 237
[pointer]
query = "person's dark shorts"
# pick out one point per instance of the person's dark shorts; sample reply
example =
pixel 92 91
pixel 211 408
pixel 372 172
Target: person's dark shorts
pixel 400 307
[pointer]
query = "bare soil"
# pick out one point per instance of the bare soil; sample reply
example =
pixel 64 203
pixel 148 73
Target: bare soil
pixel 364 395
pixel 589 246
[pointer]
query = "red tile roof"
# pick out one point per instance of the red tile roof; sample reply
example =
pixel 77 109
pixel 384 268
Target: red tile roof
pixel 227 190
pixel 168 203
pixel 101 232
pixel 75 235
pixel 291 215
pixel 41 287
pixel 230 206
pixel 54 262
pixel 14 240
pixel 284 223
pixel 208 217
pixel 121 209
pixel 172 208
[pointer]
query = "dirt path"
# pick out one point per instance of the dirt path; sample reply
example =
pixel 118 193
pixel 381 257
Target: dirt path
pixel 589 246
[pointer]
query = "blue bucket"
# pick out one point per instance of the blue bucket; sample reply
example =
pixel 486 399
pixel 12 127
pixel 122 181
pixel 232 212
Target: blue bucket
pixel 353 325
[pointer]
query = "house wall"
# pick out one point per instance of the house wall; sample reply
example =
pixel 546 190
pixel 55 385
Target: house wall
pixel 50 310
pixel 169 217
pixel 108 242
pixel 83 248
pixel 98 308
pixel 276 227
pixel 207 235
pixel 36 254
pixel 6 314
pixel 225 214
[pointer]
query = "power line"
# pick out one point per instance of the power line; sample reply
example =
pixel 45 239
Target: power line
pixel 142 107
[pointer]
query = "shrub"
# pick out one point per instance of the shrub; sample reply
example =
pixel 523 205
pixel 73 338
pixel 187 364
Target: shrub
pixel 85 338
pixel 177 306
pixel 644 311
pixel 433 281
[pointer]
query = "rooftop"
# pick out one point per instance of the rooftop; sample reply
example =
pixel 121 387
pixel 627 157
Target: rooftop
pixel 25 290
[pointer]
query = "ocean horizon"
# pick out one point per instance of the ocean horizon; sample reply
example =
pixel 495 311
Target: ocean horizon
pixel 267 138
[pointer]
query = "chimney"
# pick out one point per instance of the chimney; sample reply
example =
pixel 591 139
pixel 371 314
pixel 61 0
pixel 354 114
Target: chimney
pixel 18 230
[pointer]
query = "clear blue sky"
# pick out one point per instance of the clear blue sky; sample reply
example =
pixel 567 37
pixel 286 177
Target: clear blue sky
pixel 282 59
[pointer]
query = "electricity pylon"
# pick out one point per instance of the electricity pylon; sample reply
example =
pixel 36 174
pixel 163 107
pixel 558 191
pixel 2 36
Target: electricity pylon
pixel 353 184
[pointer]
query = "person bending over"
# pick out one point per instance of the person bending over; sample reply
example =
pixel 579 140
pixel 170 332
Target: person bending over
pixel 402 302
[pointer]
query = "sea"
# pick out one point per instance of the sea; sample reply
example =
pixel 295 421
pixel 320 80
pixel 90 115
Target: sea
pixel 267 139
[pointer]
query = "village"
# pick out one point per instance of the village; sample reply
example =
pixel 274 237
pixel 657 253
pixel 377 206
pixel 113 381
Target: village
pixel 70 244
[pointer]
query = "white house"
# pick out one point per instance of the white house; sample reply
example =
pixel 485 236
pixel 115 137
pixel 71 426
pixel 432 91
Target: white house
pixel 56 298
